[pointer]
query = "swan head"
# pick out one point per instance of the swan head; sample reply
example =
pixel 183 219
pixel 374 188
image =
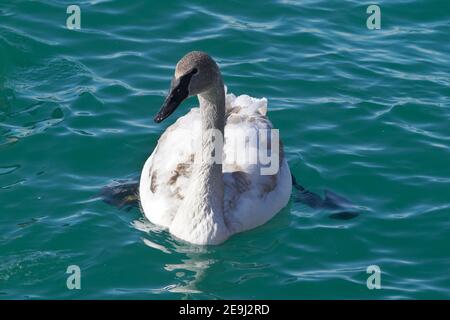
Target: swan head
pixel 195 73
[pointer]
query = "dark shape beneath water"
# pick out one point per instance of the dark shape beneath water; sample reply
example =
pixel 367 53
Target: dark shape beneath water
pixel 123 195
pixel 331 201
pixel 126 196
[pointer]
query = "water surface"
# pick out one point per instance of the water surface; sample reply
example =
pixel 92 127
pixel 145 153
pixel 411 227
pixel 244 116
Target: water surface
pixel 364 113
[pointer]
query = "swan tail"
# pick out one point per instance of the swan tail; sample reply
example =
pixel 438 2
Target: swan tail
pixel 344 208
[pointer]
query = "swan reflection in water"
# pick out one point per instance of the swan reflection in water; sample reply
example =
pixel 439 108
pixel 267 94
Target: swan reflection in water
pixel 189 271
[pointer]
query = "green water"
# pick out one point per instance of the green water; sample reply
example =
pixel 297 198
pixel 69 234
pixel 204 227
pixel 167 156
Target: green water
pixel 364 113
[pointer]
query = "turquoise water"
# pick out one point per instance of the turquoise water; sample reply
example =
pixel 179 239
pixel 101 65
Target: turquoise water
pixel 364 113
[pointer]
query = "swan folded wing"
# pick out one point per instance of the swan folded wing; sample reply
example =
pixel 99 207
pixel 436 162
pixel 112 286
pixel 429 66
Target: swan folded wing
pixel 249 193
pixel 169 169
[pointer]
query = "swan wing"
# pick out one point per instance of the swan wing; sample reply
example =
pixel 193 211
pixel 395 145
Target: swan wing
pixel 253 194
pixel 166 173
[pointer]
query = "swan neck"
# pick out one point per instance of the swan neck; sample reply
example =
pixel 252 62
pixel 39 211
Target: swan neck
pixel 212 107
pixel 200 218
pixel 209 155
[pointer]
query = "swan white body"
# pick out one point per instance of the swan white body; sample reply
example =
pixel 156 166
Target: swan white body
pixel 184 188
pixel 250 199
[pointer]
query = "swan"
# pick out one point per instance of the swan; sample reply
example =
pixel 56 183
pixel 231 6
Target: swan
pixel 203 193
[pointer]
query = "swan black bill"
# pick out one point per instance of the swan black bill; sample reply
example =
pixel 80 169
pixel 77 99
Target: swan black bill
pixel 173 100
pixel 179 91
